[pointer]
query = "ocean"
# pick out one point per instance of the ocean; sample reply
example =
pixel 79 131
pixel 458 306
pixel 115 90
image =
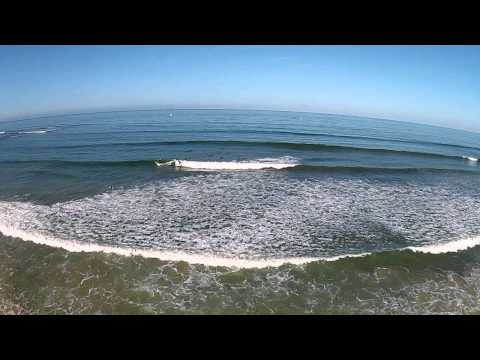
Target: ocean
pixel 237 212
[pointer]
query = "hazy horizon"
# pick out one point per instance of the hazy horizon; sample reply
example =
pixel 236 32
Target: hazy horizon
pixel 86 111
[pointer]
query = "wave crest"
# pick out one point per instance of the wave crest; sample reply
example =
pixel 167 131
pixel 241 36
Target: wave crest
pixel 259 164
pixel 470 158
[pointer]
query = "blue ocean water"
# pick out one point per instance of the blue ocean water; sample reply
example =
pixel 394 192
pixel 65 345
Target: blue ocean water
pixel 321 185
pixel 241 189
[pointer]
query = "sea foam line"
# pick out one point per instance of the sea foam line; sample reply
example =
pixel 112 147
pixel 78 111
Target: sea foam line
pixel 75 246
pixel 210 260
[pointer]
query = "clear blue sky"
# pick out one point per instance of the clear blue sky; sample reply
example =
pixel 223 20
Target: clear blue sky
pixel 437 85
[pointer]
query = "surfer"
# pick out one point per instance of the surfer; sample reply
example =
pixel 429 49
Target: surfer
pixel 164 162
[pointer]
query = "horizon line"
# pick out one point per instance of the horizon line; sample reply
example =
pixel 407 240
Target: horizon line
pixel 133 109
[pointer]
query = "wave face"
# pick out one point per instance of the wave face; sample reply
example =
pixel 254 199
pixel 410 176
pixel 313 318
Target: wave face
pixel 277 145
pixel 258 164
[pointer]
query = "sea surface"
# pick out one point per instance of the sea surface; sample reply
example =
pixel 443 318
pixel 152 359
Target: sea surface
pixel 237 212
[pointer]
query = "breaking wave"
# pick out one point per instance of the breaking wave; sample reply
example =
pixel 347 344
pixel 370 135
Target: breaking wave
pixel 76 246
pixel 281 163
pixel 258 164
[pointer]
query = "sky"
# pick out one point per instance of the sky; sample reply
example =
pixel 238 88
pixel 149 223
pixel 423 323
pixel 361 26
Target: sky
pixel 438 85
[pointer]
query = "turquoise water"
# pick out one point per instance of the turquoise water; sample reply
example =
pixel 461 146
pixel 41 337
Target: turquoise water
pixel 244 212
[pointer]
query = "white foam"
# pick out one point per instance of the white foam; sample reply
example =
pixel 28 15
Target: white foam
pixel 470 158
pixel 165 163
pixel 208 260
pixel 229 165
pixel 240 218
pixel 34 132
pixel 283 159
pixel 2 132
pixel 76 246
pixel 451 246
